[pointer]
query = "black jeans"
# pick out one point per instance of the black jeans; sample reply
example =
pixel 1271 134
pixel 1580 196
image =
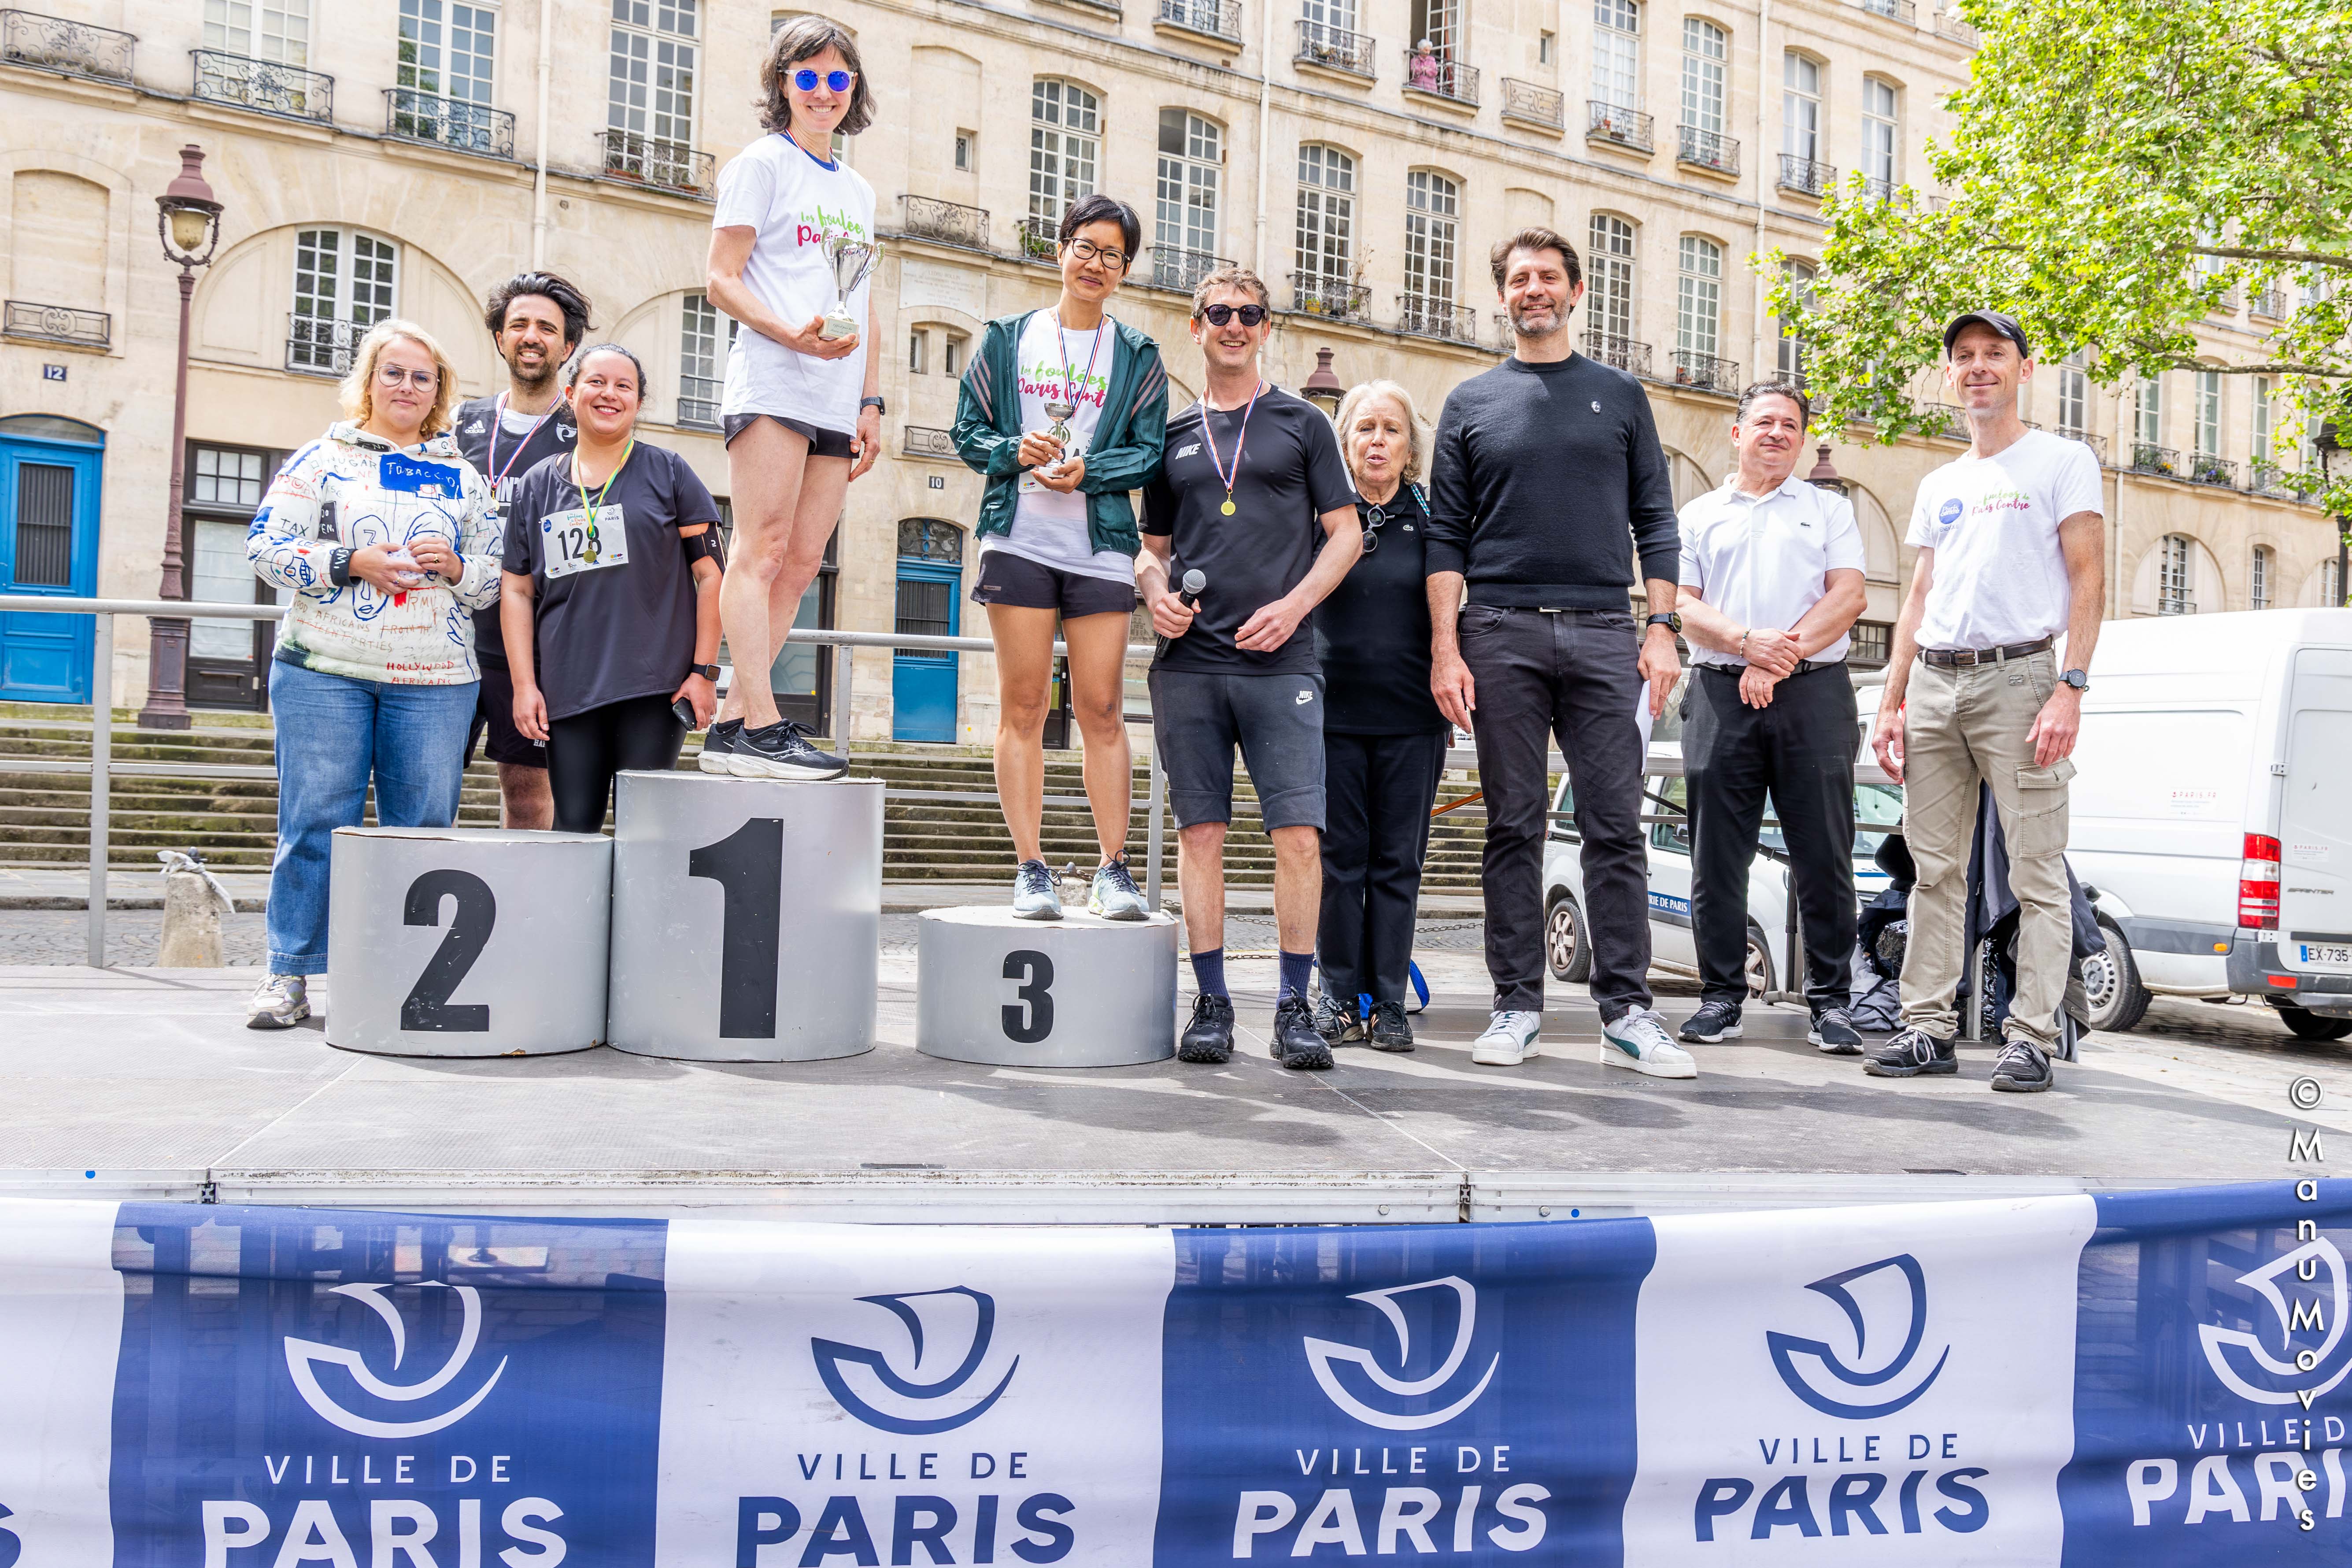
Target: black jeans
pixel 1378 790
pixel 1573 674
pixel 587 750
pixel 1801 750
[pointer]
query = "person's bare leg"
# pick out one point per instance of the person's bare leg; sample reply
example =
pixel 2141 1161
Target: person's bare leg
pixel 1024 671
pixel 765 469
pixel 1201 883
pixel 823 485
pixel 524 799
pixel 1098 700
pixel 1297 886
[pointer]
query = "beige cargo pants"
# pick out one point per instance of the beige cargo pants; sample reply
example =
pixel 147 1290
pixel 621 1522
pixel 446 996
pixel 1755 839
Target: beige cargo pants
pixel 1961 725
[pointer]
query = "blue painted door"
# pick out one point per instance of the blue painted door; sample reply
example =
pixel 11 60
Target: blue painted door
pixel 923 685
pixel 49 546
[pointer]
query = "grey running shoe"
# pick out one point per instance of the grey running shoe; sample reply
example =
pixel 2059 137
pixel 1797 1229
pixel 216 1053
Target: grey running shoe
pixel 1336 1021
pixel 1912 1053
pixel 718 746
pixel 1835 1033
pixel 1716 1019
pixel 1113 895
pixel 1036 892
pixel 281 1002
pixel 781 751
pixel 2023 1068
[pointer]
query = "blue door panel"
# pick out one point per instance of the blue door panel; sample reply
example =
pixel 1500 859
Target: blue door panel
pixel 46 658
pixel 923 685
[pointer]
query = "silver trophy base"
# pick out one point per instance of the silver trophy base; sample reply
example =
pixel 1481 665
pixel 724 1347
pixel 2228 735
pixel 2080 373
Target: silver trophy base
pixel 837 328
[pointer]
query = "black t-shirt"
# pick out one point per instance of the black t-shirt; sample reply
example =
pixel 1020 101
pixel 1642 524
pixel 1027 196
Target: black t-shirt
pixel 1288 476
pixel 503 457
pixel 609 631
pixel 1372 633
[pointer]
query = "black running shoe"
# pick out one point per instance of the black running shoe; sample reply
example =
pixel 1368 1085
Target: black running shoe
pixel 2023 1068
pixel 1835 1033
pixel 1390 1031
pixel 1910 1054
pixel 1295 1043
pixel 1209 1037
pixel 718 746
pixel 783 751
pixel 1336 1021
pixel 1716 1019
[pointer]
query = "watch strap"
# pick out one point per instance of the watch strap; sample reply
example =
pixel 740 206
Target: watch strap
pixel 875 403
pixel 707 671
pixel 338 566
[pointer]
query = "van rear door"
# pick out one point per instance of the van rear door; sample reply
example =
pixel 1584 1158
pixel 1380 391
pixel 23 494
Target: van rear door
pixel 2314 827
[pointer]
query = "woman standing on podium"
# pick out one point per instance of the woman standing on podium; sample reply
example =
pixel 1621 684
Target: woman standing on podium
pixel 1064 411
pixel 610 604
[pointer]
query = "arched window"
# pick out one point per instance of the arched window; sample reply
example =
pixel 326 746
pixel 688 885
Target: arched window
pixel 1617 54
pixel 1698 303
pixel 1064 146
pixel 929 539
pixel 2147 421
pixel 1327 231
pixel 1706 50
pixel 1791 347
pixel 344 282
pixel 1880 134
pixel 1801 106
pixel 1433 205
pixel 2258 578
pixel 1608 294
pixel 1192 165
pixel 2175 587
pixel 2209 413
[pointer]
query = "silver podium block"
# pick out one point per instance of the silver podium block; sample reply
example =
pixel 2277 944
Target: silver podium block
pixel 466 942
pixel 747 917
pixel 1079 992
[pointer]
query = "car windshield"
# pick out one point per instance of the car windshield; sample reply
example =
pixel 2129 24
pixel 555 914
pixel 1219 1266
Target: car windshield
pixel 1877 811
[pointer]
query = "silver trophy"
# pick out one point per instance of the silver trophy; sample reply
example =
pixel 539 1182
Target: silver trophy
pixel 851 259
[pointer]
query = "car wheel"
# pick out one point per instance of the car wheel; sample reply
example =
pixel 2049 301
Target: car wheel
pixel 1566 946
pixel 1758 963
pixel 2111 983
pixel 2305 1025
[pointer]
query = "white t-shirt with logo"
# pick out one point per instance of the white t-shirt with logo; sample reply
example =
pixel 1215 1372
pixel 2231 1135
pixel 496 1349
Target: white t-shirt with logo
pixel 795 203
pixel 1999 575
pixel 1048 527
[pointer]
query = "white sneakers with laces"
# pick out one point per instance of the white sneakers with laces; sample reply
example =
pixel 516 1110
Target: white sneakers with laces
pixel 1510 1039
pixel 1639 1040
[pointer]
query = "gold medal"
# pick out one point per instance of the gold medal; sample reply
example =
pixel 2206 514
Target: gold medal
pixel 1228 507
pixel 1240 439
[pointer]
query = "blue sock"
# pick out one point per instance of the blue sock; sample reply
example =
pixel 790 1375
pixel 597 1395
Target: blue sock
pixel 1296 969
pixel 1208 972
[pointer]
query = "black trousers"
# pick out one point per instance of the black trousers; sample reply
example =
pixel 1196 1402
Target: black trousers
pixel 1572 673
pixel 1378 790
pixel 587 750
pixel 1799 750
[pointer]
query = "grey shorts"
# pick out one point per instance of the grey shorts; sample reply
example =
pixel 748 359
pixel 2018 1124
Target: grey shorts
pixel 1198 718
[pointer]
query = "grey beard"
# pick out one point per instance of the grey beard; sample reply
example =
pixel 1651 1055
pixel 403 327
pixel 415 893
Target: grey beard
pixel 1520 327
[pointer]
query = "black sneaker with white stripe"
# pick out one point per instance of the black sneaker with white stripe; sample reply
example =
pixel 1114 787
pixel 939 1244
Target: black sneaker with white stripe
pixel 1912 1053
pixel 2023 1068
pixel 1716 1019
pixel 1834 1033
pixel 718 746
pixel 783 751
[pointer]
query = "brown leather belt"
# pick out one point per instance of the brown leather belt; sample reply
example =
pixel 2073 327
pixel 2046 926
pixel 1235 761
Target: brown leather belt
pixel 1947 658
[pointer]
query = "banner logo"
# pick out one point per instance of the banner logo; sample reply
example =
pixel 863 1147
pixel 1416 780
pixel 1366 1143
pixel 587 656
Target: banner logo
pixel 302 1356
pixel 832 1355
pixel 1789 1349
pixel 1322 1353
pixel 2324 1317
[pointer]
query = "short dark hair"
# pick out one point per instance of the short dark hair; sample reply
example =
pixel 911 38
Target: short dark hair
pixel 1755 390
pixel 1537 238
pixel 803 38
pixel 1097 207
pixel 580 360
pixel 548 286
pixel 1229 278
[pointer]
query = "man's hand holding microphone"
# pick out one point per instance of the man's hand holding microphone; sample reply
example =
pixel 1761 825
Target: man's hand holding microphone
pixel 1173 613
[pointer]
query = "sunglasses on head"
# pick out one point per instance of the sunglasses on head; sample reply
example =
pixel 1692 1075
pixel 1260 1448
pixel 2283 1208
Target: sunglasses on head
pixel 1218 315
pixel 806 81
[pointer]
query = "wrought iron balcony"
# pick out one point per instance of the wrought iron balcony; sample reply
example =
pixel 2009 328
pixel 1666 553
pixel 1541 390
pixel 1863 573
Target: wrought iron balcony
pixel 1428 316
pixel 2204 469
pixel 1806 176
pixel 1173 267
pixel 1336 298
pixel 670 166
pixel 2148 458
pixel 1903 11
pixel 1334 49
pixel 1946 420
pixel 413 115
pixel 1542 107
pixel 2271 303
pixel 1041 240
pixel 2095 442
pixel 925 441
pixel 1620 127
pixel 1874 189
pixel 949 223
pixel 59 324
pixel 55 44
pixel 698 397
pixel 319 346
pixel 2270 478
pixel 264 85
pixel 1623 353
pixel 1218 19
pixel 1707 150
pixel 1949 26
pixel 1706 373
pixel 1442 75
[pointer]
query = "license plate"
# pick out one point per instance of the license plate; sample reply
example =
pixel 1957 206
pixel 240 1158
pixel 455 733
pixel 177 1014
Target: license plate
pixel 2331 954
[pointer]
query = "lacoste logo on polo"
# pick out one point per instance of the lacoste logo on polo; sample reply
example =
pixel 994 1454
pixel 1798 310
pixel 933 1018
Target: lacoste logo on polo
pixel 2246 1366
pixel 1323 1356
pixel 1792 1354
pixel 302 1357
pixel 1596 405
pixel 832 1357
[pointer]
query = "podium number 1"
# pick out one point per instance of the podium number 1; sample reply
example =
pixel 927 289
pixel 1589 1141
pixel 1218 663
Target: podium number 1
pixel 748 866
pixel 426 1006
pixel 1031 1019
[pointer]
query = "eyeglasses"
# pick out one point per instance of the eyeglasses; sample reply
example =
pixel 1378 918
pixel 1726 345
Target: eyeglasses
pixel 1110 256
pixel 1218 315
pixel 393 375
pixel 806 81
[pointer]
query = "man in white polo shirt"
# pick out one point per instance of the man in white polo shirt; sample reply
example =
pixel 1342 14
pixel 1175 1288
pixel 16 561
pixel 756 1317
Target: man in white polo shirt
pixel 1771 583
pixel 2012 553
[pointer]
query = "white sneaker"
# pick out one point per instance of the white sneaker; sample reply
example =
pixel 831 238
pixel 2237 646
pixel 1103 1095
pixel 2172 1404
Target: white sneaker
pixel 280 1002
pixel 1509 1040
pixel 1639 1040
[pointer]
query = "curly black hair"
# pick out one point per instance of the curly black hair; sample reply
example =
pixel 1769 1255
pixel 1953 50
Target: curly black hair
pixel 548 286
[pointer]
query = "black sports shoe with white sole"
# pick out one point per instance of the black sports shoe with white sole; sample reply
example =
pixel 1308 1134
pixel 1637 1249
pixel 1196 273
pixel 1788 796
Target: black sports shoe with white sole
pixel 1715 1020
pixel 783 751
pixel 2023 1068
pixel 1209 1037
pixel 1295 1043
pixel 718 746
pixel 1912 1053
pixel 1834 1033
pixel 1390 1030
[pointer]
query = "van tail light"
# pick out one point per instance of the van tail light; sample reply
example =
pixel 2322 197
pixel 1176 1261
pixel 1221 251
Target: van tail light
pixel 2258 884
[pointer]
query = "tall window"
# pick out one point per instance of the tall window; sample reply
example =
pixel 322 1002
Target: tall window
pixel 1792 347
pixel 2331 588
pixel 1617 53
pixel 653 68
pixel 1439 21
pixel 1327 215
pixel 2265 428
pixel 1609 280
pixel 2174 593
pixel 2258 579
pixel 1191 155
pixel 1698 296
pixel 1800 107
pixel 2075 394
pixel 2148 412
pixel 1064 139
pixel 1878 125
pixel 446 48
pixel 1327 17
pixel 2209 412
pixel 1705 47
pixel 701 360
pixel 1433 204
pixel 344 284
pixel 277 30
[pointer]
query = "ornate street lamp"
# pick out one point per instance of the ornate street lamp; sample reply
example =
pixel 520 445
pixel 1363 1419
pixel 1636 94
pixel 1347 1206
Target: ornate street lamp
pixel 1321 387
pixel 187 222
pixel 1825 475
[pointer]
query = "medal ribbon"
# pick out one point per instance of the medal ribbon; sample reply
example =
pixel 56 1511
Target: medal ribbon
pixel 1062 342
pixel 590 508
pixel 1240 440
pixel 498 420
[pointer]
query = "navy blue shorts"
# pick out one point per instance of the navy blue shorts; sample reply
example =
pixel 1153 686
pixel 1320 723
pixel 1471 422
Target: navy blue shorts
pixel 822 442
pixel 1198 717
pixel 1006 578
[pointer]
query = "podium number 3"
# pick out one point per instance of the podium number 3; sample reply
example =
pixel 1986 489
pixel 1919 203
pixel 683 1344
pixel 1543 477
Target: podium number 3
pixel 1031 1019
pixel 427 1006
pixel 748 866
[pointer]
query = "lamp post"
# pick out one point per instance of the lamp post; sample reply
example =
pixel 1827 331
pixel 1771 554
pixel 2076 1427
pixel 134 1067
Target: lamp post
pixel 2331 452
pixel 187 221
pixel 1824 474
pixel 1321 387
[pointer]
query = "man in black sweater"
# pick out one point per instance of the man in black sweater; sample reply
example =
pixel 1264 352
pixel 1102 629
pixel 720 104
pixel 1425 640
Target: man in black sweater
pixel 1548 478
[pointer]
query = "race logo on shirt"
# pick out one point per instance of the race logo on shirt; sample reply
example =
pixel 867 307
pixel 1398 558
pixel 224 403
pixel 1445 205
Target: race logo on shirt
pixel 815 228
pixel 1041 378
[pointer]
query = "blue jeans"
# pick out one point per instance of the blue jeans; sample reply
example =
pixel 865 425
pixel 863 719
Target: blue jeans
pixel 332 733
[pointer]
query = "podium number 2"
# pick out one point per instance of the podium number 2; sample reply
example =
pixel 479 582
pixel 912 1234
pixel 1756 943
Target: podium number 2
pixel 1031 1019
pixel 748 866
pixel 426 1006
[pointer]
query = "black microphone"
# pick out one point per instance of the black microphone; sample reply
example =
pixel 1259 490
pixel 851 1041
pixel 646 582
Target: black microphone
pixel 1195 581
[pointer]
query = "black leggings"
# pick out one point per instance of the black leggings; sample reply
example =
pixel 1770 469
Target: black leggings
pixel 587 750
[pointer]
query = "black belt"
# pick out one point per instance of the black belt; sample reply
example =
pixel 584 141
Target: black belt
pixel 1947 658
pixel 1804 667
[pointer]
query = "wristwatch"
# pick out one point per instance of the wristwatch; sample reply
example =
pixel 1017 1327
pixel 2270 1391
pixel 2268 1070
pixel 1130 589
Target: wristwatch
pixel 1669 619
pixel 707 671
pixel 2080 679
pixel 873 403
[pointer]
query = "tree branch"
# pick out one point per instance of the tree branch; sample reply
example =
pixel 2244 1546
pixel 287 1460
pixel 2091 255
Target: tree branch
pixel 2240 253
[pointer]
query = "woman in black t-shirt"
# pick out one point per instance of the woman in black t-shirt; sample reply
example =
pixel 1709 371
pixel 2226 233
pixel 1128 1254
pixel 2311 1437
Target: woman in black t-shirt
pixel 610 598
pixel 1383 737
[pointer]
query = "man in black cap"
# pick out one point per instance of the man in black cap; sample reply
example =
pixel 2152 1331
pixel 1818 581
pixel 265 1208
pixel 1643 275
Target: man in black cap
pixel 2012 542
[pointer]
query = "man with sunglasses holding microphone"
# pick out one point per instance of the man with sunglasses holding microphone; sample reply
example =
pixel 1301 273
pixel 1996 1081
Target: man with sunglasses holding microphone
pixel 1253 484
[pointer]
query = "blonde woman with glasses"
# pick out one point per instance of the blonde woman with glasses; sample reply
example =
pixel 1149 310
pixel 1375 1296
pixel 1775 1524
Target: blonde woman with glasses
pixel 385 536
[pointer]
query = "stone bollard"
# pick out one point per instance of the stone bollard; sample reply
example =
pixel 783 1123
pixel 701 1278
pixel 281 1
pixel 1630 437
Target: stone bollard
pixel 193 902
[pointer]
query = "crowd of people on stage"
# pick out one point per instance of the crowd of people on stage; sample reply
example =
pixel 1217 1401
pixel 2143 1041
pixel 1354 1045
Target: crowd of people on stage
pixel 1333 598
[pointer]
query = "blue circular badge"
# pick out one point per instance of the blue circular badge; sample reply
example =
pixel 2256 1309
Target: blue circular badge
pixel 1950 513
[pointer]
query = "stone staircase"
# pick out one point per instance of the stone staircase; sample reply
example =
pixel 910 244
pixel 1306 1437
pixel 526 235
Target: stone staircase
pixel 44 816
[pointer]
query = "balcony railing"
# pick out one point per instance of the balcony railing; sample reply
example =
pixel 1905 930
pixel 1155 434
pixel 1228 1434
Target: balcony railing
pixel 77 49
pixel 59 324
pixel 2269 478
pixel 413 115
pixel 2148 458
pixel 1949 26
pixel 1903 11
pixel 1172 266
pixel 926 441
pixel 2204 469
pixel 1620 127
pixel 1707 150
pixel 2271 303
pixel 1874 189
pixel 1542 107
pixel 1946 420
pixel 1336 298
pixel 1806 176
pixel 699 398
pixel 265 85
pixel 1427 316
pixel 1706 373
pixel 317 345
pixel 1334 49
pixel 949 223
pixel 1625 354
pixel 1041 240
pixel 2095 442
pixel 1441 76
pixel 1219 19
pixel 648 161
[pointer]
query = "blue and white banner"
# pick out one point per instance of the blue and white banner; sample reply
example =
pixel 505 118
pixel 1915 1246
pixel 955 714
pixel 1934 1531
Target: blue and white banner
pixel 2154 1379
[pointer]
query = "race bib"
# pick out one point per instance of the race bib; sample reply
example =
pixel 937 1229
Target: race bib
pixel 570 545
